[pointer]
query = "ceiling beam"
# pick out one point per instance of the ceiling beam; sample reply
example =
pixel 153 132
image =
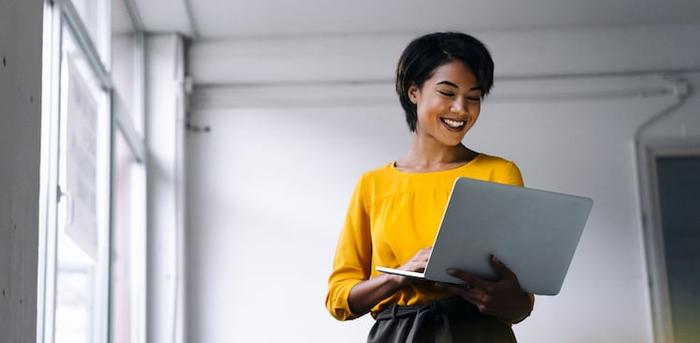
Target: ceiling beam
pixel 166 16
pixel 517 54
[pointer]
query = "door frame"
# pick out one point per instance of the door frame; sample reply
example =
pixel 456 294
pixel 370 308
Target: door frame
pixel 648 151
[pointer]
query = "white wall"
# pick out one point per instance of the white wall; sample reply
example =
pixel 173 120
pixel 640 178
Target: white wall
pixel 269 184
pixel 268 190
pixel 20 138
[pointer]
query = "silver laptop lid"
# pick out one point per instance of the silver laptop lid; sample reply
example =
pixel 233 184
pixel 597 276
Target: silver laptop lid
pixel 533 232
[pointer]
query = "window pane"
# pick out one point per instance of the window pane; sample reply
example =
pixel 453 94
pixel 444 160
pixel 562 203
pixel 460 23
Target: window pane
pixel 94 16
pixel 126 64
pixel 82 237
pixel 128 244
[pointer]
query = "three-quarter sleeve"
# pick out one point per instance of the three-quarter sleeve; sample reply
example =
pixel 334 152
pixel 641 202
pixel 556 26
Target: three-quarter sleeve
pixel 353 255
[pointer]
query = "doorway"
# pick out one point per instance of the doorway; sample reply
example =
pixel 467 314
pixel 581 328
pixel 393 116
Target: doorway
pixel 670 192
pixel 678 179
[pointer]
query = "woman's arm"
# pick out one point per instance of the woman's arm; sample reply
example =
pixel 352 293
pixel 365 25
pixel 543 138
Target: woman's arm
pixel 368 293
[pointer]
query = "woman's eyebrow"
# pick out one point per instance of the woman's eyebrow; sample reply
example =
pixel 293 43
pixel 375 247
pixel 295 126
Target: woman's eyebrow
pixel 445 82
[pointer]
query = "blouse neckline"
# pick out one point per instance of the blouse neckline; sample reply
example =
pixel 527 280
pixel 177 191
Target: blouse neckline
pixel 392 166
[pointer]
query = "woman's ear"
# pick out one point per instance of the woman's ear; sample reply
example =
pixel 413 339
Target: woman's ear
pixel 413 93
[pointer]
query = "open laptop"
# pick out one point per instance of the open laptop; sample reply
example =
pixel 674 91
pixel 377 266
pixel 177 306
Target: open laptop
pixel 533 232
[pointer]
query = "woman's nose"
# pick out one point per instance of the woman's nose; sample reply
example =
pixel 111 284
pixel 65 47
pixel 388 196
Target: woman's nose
pixel 459 106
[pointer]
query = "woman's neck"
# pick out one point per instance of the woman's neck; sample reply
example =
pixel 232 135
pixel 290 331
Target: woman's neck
pixel 429 154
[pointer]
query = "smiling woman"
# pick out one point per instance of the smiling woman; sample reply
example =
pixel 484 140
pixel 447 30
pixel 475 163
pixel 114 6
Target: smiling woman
pixel 395 210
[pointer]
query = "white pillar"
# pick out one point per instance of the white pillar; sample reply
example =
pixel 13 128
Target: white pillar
pixel 165 157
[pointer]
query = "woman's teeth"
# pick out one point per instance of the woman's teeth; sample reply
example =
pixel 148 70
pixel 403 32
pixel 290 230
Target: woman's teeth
pixel 453 123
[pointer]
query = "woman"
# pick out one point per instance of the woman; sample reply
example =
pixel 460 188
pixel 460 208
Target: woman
pixel 395 210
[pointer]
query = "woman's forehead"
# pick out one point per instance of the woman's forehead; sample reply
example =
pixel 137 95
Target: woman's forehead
pixel 455 74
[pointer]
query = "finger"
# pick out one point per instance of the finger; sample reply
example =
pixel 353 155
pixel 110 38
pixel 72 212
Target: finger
pixel 426 252
pixel 416 266
pixel 501 267
pixel 473 296
pixel 454 289
pixel 477 296
pixel 479 299
pixel 471 279
pixel 422 254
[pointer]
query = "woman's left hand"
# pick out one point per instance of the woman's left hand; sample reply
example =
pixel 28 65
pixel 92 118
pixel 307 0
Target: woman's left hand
pixel 502 298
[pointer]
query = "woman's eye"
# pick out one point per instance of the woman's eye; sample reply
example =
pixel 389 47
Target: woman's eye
pixel 446 93
pixel 474 99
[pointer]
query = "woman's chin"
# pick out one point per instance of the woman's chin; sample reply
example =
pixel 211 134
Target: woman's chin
pixel 452 141
pixel 445 138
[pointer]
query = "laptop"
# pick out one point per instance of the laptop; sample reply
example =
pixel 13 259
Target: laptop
pixel 533 232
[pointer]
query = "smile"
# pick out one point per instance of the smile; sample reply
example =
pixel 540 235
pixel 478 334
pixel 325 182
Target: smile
pixel 452 124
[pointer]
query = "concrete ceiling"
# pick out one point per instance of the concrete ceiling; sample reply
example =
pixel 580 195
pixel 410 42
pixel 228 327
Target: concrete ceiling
pixel 217 19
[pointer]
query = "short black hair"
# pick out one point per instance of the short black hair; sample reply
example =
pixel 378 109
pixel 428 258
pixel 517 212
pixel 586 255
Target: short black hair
pixel 426 53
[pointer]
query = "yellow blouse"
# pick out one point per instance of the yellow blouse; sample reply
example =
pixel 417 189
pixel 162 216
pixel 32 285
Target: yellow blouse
pixel 392 215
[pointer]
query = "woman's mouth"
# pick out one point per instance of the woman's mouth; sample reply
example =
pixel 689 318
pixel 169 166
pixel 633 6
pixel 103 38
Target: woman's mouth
pixel 453 124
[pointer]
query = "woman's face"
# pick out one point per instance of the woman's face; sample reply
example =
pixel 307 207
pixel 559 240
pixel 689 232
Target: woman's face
pixel 447 104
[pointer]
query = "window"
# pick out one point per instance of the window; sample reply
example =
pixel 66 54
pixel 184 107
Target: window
pixel 93 16
pixel 92 253
pixel 82 240
pixel 128 283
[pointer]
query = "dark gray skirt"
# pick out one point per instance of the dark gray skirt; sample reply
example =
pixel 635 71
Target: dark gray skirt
pixel 443 321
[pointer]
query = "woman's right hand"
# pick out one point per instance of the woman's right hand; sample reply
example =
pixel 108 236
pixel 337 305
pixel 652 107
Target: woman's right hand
pixel 364 295
pixel 417 263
